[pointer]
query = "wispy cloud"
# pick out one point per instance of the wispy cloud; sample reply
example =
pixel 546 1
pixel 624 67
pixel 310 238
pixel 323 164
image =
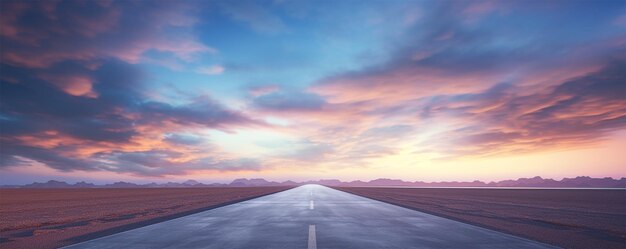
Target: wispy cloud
pixel 212 70
pixel 38 34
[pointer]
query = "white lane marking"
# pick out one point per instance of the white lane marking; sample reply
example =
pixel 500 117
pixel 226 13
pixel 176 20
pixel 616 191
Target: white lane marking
pixel 312 240
pixel 311 205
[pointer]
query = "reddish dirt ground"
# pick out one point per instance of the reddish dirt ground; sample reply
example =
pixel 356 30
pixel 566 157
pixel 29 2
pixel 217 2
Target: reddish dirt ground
pixel 50 218
pixel 570 218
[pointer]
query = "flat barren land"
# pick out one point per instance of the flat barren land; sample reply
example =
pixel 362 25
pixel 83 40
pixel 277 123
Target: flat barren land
pixel 49 218
pixel 570 218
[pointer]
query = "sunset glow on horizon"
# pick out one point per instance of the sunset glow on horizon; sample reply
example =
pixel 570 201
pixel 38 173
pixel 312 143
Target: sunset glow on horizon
pixel 145 91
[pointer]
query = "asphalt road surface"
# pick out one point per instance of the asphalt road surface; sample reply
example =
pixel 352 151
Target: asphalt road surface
pixel 310 216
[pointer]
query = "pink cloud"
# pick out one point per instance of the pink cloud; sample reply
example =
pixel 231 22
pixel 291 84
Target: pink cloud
pixel 76 85
pixel 112 30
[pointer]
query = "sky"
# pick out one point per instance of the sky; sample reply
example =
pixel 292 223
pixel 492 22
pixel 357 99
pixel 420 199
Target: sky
pixel 164 90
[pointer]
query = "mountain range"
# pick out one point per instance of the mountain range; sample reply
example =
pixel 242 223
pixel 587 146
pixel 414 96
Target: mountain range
pixel 538 182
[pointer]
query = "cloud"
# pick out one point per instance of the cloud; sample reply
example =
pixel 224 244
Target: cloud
pixel 307 150
pixel 162 162
pixel 255 15
pixel 202 111
pixel 262 90
pixel 289 100
pixel 478 54
pixel 12 153
pixel 183 139
pixel 65 131
pixel 74 97
pixel 212 70
pixel 32 99
pixel 39 34
pixel 504 118
pixel 466 85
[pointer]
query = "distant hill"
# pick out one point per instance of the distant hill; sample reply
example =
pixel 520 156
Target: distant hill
pixel 49 184
pixel 538 182
pixel 256 182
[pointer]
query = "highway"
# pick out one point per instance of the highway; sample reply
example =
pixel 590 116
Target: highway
pixel 310 216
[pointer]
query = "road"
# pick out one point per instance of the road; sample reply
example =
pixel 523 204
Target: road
pixel 310 216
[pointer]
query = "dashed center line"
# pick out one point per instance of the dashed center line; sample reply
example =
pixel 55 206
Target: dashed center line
pixel 312 240
pixel 311 205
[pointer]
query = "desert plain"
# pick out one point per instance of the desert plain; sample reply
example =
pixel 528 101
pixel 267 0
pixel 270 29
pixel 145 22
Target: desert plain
pixel 568 218
pixel 51 218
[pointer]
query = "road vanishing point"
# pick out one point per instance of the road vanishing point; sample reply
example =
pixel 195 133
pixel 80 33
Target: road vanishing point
pixel 310 216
